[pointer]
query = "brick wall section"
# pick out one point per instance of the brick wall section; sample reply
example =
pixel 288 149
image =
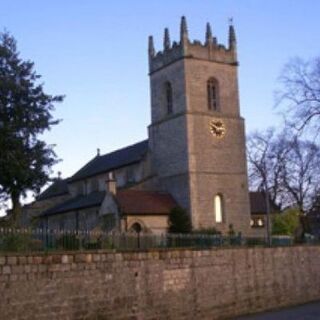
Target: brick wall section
pixel 177 284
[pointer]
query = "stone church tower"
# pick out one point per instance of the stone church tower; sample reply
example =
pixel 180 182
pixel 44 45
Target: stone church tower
pixel 196 136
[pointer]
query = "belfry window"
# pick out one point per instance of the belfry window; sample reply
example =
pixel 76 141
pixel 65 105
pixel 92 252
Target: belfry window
pixel 212 89
pixel 218 208
pixel 169 97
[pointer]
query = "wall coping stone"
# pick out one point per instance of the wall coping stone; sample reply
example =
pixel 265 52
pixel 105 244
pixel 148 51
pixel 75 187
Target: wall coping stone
pixel 94 256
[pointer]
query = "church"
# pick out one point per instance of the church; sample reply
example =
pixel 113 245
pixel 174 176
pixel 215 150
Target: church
pixel 194 157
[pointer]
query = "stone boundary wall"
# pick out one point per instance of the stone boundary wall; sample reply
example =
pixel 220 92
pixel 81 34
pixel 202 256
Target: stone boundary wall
pixel 171 284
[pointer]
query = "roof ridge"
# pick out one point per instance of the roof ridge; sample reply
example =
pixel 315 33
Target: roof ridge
pixel 112 160
pixel 121 149
pixel 158 192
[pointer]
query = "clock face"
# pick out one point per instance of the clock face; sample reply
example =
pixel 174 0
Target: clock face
pixel 217 128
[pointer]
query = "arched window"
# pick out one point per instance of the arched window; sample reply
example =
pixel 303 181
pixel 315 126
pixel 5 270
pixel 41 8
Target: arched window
pixel 169 97
pixel 213 94
pixel 218 208
pixel 136 227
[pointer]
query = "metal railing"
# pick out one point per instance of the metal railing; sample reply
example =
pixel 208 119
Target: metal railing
pixel 44 240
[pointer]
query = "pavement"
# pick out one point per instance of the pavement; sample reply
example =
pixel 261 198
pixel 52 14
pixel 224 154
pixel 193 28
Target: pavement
pixel 310 311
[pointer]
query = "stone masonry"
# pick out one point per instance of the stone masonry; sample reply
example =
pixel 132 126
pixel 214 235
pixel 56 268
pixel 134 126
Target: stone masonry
pixel 193 87
pixel 169 284
pixel 192 164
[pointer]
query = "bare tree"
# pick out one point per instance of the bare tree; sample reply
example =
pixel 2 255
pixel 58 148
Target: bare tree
pixel 266 158
pixel 285 167
pixel 301 173
pixel 316 202
pixel 300 93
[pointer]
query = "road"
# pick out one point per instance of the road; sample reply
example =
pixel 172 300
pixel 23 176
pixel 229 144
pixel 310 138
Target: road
pixel 309 311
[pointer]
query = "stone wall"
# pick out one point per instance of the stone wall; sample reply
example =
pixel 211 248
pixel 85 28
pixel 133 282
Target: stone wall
pixel 85 219
pixel 157 224
pixel 125 176
pixel 174 284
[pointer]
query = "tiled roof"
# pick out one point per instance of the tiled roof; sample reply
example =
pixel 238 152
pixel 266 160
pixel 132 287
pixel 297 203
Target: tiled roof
pixel 93 199
pixel 58 188
pixel 113 160
pixel 258 203
pixel 133 201
pixel 145 202
pixel 130 202
pixel 142 202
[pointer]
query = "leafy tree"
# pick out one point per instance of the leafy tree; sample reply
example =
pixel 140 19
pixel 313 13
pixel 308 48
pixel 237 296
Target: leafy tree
pixel 25 114
pixel 286 223
pixel 179 221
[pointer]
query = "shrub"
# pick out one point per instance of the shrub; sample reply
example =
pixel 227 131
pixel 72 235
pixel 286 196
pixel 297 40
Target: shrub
pixel 255 242
pixel 179 221
pixel 92 245
pixel 17 243
pixel 68 242
pixel 107 243
pixel 286 223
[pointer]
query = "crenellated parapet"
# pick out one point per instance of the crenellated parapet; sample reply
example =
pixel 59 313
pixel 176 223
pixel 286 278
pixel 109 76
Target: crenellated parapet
pixel 210 50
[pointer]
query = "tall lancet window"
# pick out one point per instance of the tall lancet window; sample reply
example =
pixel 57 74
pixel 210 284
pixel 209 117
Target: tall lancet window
pixel 218 208
pixel 169 97
pixel 213 94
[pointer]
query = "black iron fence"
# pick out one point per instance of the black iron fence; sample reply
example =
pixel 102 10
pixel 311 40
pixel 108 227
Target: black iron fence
pixel 44 240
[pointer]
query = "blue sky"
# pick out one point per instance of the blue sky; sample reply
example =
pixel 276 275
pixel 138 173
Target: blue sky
pixel 95 52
